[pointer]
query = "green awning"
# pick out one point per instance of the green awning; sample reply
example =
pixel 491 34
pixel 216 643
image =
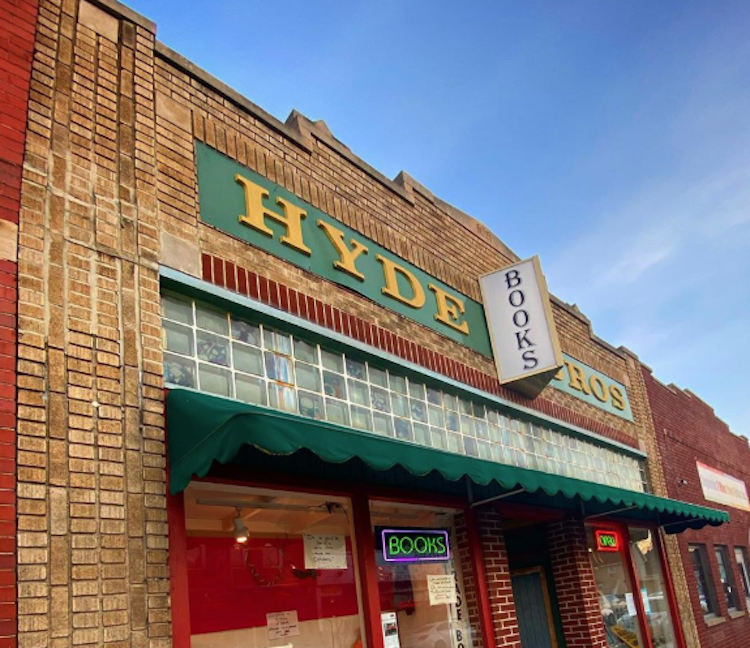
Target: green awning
pixel 203 429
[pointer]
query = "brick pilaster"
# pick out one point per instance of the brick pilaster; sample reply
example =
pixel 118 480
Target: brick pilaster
pixel 17 29
pixel 575 585
pixel 469 606
pixel 503 608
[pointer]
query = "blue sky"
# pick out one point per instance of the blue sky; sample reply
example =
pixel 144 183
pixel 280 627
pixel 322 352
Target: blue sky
pixel 611 138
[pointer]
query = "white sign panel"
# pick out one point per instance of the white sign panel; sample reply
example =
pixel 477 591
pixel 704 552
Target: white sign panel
pixel 722 488
pixel 516 305
pixel 282 624
pixel 325 551
pixel 442 589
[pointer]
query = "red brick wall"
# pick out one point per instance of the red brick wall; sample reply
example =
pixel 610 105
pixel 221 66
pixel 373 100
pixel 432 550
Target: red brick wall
pixel 575 585
pixel 17 33
pixel 500 591
pixel 687 431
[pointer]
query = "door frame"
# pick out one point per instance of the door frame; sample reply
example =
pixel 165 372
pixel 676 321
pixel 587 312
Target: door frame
pixel 539 569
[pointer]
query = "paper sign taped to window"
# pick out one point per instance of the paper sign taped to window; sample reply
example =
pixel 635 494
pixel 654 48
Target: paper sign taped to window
pixel 442 589
pixel 389 623
pixel 325 551
pixel 282 624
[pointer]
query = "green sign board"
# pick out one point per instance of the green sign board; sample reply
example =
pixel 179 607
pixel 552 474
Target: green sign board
pixel 250 207
pixel 594 387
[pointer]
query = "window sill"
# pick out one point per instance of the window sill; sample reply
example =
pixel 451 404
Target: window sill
pixel 714 620
pixel 736 614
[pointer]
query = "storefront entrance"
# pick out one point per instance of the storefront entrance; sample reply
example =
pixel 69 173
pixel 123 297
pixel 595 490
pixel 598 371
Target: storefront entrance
pixel 533 587
pixel 535 619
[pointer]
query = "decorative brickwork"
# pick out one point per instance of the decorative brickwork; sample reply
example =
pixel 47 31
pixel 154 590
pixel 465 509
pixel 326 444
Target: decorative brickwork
pixel 688 430
pixel 17 35
pixel 92 557
pixel 575 585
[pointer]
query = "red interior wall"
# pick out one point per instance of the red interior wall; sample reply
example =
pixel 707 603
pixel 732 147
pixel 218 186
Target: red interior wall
pixel 225 594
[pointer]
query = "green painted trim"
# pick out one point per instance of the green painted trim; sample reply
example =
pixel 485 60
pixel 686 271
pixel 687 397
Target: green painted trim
pixel 222 201
pixel 563 384
pixel 208 292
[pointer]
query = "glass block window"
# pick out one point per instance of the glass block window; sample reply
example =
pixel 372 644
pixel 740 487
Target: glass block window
pixel 217 352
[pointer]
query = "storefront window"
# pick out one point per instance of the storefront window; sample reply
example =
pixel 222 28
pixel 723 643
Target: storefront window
pixel 616 592
pixel 270 568
pixel 653 588
pixel 727 579
pixel 740 555
pixel 422 596
pixel 703 580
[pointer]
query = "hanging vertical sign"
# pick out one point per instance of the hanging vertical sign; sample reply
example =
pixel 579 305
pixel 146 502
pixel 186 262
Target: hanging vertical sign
pixel 522 331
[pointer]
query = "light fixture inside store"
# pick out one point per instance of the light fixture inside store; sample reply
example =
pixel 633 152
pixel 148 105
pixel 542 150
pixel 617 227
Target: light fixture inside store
pixel 240 530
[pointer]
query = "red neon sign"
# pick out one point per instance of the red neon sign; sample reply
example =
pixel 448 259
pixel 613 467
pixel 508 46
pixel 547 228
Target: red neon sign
pixel 607 540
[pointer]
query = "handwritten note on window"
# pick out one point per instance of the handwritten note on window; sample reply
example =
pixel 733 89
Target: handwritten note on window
pixel 442 589
pixel 282 624
pixel 325 551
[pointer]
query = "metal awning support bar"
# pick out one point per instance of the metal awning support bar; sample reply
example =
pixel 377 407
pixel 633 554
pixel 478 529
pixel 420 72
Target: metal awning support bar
pixel 612 512
pixel 498 497
pixel 669 524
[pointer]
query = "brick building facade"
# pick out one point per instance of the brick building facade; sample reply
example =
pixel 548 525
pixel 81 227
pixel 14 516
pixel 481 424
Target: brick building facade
pixel 133 300
pixel 689 433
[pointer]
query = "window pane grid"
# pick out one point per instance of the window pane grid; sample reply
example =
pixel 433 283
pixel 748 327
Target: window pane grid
pixel 220 353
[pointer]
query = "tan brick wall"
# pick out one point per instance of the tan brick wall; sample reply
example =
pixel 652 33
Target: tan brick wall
pixel 92 559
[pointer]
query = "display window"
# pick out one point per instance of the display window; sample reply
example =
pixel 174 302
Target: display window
pixel 633 592
pixel 616 591
pixel 420 580
pixel 654 594
pixel 270 568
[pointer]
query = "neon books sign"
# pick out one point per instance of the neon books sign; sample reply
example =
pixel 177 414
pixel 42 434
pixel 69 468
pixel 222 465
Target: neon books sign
pixel 414 545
